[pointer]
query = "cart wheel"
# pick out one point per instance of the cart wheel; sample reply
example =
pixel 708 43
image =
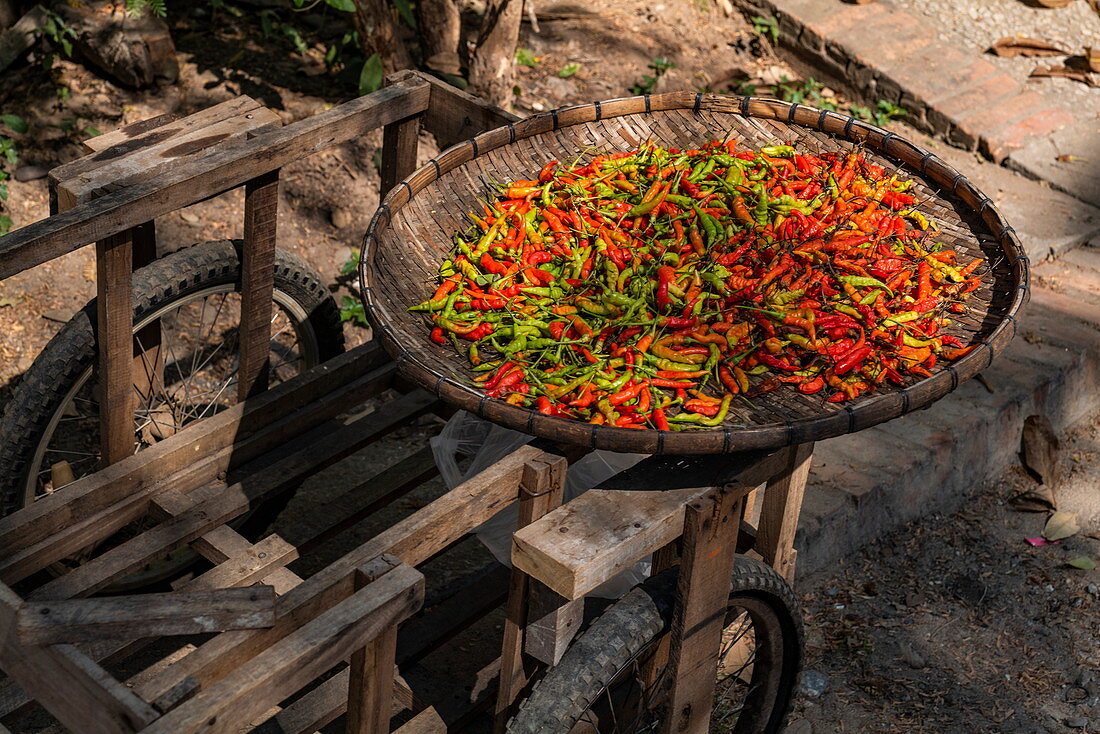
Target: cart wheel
pixel 49 433
pixel 613 679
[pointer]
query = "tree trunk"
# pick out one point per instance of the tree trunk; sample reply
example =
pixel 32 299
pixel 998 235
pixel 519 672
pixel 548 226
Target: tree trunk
pixel 378 34
pixel 491 66
pixel 134 51
pixel 440 26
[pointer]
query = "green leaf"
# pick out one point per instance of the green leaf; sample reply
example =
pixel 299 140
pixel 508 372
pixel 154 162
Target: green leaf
pixel 370 78
pixel 16 123
pixel 351 309
pixel 92 131
pixel 406 13
pixel 5 224
pixel 351 265
pixel 3 192
pixel 1083 563
pixel 347 6
pixel 525 57
pixel 569 70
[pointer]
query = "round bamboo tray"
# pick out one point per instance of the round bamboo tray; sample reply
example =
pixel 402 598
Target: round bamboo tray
pixel 411 233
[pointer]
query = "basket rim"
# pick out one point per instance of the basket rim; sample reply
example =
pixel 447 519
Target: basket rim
pixel 864 413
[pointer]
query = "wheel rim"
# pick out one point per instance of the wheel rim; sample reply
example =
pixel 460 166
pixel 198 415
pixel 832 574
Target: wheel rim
pixel 197 384
pixel 748 681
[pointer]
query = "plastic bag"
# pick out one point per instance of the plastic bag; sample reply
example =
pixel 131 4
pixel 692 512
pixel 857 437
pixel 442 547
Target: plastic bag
pixel 466 434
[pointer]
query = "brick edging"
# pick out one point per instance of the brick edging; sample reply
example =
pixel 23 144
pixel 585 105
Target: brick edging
pixel 883 52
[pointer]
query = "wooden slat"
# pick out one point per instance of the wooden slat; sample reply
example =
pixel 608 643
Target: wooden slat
pixel 780 510
pixel 325 703
pixel 252 563
pixel 427 721
pixel 145 615
pixel 540 490
pixel 142 135
pixel 702 593
pixel 413 540
pixel 135 129
pixel 261 209
pixel 203 175
pixel 115 327
pixel 210 506
pixel 454 115
pixel 64 522
pixel 90 700
pixel 298 658
pixel 579 546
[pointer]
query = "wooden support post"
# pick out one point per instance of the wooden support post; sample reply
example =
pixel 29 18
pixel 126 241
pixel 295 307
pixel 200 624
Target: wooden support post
pixel 552 621
pixel 780 509
pixel 261 206
pixel 399 143
pixel 540 490
pixel 370 685
pixel 115 320
pixel 709 542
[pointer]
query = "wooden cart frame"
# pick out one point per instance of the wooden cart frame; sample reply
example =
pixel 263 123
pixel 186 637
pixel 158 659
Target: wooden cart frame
pixel 285 637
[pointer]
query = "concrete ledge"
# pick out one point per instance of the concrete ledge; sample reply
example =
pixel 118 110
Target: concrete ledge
pixel 866 484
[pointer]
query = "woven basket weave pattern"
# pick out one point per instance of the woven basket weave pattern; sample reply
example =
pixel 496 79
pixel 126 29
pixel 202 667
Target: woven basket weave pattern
pixel 413 229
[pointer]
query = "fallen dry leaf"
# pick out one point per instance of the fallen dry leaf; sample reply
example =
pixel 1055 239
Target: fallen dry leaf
pixel 1061 71
pixel 1067 158
pixel 1061 525
pixel 1023 46
pixel 1092 58
pixel 1054 3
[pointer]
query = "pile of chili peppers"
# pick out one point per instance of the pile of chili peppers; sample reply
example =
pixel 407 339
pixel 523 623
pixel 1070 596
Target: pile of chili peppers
pixel 651 289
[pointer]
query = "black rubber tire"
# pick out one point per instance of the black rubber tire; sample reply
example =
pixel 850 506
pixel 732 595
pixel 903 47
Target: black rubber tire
pixel 73 349
pixel 638 620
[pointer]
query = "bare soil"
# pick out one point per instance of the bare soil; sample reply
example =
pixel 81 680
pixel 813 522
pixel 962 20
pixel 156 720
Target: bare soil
pixel 956 624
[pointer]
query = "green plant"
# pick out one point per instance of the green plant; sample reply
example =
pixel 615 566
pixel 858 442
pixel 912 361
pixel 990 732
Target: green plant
pixel 569 70
pixel 351 265
pixel 153 7
pixel 58 33
pixel 765 26
pixel 351 309
pixel 660 67
pixel 9 155
pixel 525 57
pixel 370 78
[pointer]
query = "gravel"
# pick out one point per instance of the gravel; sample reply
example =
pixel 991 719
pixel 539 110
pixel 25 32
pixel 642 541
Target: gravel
pixel 978 24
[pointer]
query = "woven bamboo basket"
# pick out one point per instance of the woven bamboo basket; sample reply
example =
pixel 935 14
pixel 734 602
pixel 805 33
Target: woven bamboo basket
pixel 411 233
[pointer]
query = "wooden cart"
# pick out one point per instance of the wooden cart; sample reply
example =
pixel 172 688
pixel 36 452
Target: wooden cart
pixel 293 654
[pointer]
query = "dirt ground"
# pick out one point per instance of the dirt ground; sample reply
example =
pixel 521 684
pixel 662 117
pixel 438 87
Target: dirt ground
pixel 956 624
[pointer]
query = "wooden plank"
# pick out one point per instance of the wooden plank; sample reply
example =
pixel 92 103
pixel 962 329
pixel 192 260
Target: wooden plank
pixel 146 133
pixel 780 509
pixel 413 540
pixel 261 208
pixel 126 133
pixel 92 507
pixel 251 564
pixel 115 329
pixel 146 615
pixel 210 506
pixel 147 155
pixel 89 700
pixel 427 721
pixel 579 546
pixel 540 490
pixel 298 658
pixel 702 594
pixel 215 504
pixel 203 175
pixel 454 115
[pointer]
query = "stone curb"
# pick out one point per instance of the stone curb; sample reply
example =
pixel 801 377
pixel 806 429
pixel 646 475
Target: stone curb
pixel 866 484
pixel 887 53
